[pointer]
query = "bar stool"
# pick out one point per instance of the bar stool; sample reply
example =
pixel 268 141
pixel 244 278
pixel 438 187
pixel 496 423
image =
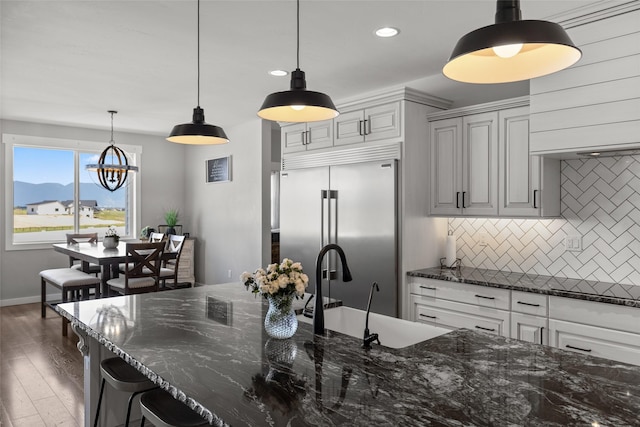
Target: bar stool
pixel 163 410
pixel 122 377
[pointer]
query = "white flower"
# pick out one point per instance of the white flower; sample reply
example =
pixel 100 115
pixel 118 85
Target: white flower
pixel 245 276
pixel 296 266
pixel 300 288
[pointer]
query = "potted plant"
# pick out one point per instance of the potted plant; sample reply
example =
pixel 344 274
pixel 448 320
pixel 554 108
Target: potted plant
pixel 111 238
pixel 171 219
pixel 145 233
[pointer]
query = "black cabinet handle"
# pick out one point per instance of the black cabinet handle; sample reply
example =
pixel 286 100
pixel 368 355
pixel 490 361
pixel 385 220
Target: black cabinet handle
pixel 529 304
pixel 541 334
pixel 430 317
pixel 428 288
pixel 482 296
pixel 303 137
pixel 457 200
pixel 367 131
pixel 360 122
pixel 535 193
pixel 308 134
pixel 463 194
pixel 586 350
pixel 485 329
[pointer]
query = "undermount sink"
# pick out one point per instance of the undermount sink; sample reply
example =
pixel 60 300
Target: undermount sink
pixel 394 333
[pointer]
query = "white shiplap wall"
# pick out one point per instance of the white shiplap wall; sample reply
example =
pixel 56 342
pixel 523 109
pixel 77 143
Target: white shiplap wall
pixel 600 202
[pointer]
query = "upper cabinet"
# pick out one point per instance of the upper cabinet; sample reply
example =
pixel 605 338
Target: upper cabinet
pixel 594 105
pixel 307 136
pixel 369 124
pixel 464 160
pixel 480 164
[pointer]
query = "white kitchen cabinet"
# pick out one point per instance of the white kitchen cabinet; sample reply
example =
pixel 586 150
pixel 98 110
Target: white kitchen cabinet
pixel 592 328
pixel 453 315
pixel 460 305
pixel 464 165
pixel 382 122
pixel 528 185
pixel 595 341
pixel 306 136
pixel 534 329
pixel 595 104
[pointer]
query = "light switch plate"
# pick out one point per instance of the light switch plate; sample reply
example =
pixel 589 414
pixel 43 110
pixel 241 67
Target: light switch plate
pixel 482 239
pixel 573 243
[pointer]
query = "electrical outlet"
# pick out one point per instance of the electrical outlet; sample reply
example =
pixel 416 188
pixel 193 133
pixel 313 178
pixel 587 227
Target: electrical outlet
pixel 482 239
pixel 229 274
pixel 573 243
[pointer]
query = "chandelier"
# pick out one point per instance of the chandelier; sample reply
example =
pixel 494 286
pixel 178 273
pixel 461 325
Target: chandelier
pixel 113 166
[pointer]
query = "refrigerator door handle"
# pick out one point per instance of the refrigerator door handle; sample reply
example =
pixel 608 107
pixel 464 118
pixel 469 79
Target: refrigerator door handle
pixel 324 217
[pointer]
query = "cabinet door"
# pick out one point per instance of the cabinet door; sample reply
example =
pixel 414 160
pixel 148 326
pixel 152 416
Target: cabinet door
pixel 349 128
pixel 293 138
pixel 529 328
pixel 519 175
pixel 480 164
pixel 382 122
pixel 319 135
pixel 594 341
pixel 446 166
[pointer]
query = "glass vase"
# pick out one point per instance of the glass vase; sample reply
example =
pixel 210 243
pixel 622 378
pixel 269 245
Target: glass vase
pixel 281 321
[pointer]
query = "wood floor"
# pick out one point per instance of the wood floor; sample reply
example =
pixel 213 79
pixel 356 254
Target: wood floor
pixel 41 377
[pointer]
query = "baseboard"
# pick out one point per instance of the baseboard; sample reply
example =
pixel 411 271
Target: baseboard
pixel 28 300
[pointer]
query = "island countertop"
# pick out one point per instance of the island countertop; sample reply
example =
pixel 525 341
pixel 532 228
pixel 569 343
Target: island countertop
pixel 207 347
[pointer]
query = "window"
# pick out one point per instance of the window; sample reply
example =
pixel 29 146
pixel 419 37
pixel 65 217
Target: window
pixel 50 193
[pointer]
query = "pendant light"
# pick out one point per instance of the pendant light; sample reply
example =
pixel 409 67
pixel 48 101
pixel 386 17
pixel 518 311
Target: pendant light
pixel 113 166
pixel 298 104
pixel 511 49
pixel 198 132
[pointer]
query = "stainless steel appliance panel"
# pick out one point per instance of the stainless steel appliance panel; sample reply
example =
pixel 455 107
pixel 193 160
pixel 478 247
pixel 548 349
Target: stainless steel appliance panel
pixel 363 222
pixel 301 208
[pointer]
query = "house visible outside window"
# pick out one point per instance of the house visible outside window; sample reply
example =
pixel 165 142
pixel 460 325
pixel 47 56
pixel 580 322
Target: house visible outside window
pixel 50 193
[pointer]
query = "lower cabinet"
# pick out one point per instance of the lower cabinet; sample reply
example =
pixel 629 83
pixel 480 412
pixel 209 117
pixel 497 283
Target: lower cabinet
pixel 452 315
pixel 595 341
pixel 591 328
pixel 526 327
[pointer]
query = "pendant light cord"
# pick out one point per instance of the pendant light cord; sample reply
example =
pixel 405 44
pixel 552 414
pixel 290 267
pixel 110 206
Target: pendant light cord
pixel 198 27
pixel 112 113
pixel 298 35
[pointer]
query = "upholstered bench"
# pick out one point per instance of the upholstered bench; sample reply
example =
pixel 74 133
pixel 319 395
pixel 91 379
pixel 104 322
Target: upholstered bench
pixel 68 280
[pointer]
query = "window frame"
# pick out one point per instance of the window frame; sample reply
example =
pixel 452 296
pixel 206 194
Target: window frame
pixel 77 146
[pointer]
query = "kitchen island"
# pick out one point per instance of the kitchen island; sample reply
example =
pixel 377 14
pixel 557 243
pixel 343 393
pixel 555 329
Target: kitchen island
pixel 207 347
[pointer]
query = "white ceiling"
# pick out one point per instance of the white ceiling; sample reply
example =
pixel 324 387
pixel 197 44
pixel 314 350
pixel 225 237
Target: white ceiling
pixel 68 62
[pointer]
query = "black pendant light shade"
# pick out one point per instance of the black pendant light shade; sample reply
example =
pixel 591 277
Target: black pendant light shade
pixel 113 165
pixel 198 132
pixel 511 49
pixel 298 104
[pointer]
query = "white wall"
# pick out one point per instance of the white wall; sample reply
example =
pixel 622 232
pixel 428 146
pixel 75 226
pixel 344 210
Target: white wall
pixel 230 220
pixel 162 177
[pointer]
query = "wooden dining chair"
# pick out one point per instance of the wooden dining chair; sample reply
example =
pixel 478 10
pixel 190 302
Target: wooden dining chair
pixel 156 237
pixel 74 239
pixel 169 270
pixel 142 271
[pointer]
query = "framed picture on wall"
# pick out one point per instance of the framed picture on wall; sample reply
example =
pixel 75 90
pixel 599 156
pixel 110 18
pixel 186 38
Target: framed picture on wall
pixel 219 170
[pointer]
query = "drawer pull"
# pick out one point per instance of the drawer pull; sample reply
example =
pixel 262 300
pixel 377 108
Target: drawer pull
pixel 430 317
pixel 485 329
pixel 586 350
pixel 529 304
pixel 482 296
pixel 428 288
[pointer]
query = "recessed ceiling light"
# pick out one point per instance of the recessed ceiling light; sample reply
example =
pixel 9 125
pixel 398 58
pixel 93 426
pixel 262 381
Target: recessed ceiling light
pixel 278 73
pixel 387 32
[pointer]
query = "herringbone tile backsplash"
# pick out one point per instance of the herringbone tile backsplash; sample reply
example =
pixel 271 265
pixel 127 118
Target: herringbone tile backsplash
pixel 600 203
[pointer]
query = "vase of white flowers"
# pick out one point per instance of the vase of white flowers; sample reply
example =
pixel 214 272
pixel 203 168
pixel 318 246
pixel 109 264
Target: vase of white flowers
pixel 111 238
pixel 280 284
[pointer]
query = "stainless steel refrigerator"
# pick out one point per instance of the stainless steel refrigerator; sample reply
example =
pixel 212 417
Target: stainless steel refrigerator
pixel 354 206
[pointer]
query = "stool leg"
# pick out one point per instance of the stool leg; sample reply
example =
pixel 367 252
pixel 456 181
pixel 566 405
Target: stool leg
pixel 95 424
pixel 142 422
pixel 65 322
pixel 43 296
pixel 126 423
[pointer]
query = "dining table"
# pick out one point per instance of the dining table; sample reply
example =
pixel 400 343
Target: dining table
pixel 109 259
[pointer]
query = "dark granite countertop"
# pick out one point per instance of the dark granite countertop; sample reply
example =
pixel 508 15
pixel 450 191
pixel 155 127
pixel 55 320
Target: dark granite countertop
pixel 613 293
pixel 227 369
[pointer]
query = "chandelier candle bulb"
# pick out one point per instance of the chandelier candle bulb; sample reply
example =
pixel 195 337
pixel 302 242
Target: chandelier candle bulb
pixel 451 250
